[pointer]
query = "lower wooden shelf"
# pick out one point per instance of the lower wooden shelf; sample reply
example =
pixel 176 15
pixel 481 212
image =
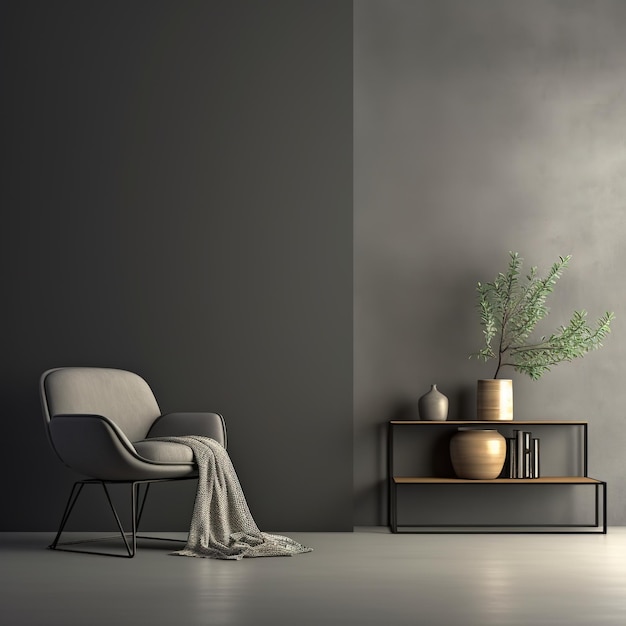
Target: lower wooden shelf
pixel 550 480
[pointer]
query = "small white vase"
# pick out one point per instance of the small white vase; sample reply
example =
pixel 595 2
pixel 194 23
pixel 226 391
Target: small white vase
pixel 433 406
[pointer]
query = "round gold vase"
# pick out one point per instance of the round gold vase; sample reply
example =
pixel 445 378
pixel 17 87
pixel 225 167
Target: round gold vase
pixel 477 454
pixel 494 399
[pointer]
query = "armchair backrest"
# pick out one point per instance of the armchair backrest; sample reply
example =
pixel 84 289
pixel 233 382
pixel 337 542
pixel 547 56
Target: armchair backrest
pixel 121 396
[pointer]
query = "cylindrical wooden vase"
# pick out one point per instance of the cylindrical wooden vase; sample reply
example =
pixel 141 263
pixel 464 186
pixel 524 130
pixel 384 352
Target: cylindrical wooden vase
pixel 494 399
pixel 477 453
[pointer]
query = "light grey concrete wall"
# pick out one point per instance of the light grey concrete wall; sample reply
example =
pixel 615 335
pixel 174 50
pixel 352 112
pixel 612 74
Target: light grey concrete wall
pixel 482 127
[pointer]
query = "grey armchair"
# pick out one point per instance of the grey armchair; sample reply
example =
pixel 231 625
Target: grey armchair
pixel 102 422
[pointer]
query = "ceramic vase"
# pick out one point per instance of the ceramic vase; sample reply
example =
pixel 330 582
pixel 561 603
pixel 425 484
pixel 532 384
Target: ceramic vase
pixel 433 406
pixel 477 454
pixel 494 399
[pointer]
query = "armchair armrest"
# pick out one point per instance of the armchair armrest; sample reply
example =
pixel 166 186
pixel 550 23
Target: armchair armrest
pixel 179 424
pixel 92 445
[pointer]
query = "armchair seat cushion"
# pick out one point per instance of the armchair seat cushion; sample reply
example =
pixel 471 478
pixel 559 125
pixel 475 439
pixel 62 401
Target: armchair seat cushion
pixel 164 451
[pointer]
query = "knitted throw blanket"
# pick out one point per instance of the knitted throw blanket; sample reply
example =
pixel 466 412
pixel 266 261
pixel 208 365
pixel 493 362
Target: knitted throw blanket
pixel 222 526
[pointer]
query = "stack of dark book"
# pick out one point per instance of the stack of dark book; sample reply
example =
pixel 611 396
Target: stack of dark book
pixel 523 455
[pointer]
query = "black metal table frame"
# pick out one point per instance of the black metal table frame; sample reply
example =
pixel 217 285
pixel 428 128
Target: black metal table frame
pixel 600 502
pixel 600 515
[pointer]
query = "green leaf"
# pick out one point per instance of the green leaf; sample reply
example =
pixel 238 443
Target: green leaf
pixel 511 308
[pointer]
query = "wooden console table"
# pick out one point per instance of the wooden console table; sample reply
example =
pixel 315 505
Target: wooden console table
pixel 566 467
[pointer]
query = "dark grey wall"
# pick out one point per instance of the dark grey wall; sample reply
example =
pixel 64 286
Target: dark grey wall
pixel 177 200
pixel 483 127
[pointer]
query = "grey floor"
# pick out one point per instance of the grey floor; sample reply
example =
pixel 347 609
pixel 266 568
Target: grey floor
pixel 366 577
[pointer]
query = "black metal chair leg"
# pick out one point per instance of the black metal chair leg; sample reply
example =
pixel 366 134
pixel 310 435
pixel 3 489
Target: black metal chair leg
pixel 55 545
pixel 143 502
pixel 136 513
pixel 131 553
pixel 134 489
pixel 68 509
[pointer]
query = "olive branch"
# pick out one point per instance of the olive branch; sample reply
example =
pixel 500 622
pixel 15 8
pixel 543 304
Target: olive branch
pixel 510 307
